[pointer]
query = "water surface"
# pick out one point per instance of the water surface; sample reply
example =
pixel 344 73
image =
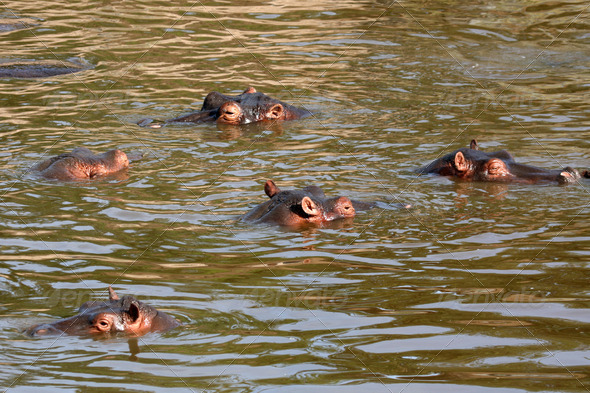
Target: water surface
pixel 477 288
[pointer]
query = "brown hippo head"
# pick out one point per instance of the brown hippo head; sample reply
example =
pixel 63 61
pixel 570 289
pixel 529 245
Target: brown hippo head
pixel 117 315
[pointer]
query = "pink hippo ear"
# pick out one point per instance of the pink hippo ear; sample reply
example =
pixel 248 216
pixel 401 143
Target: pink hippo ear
pixel 276 112
pixel 131 307
pixel 309 207
pixel 271 189
pixel 112 294
pixel 249 90
pixel 473 145
pixel 461 162
pixel 133 311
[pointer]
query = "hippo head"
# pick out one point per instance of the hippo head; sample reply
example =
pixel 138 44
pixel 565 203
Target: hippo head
pixel 474 164
pixel 92 166
pixel 111 161
pixel 82 164
pixel 297 207
pixel 117 315
pixel 248 107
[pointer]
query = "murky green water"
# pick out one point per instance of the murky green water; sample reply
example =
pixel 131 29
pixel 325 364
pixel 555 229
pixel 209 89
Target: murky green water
pixel 478 288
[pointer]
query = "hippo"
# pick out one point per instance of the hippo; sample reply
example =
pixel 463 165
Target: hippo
pixel 248 107
pixel 119 315
pixel 82 164
pixel 473 164
pixel 12 24
pixel 298 207
pixel 35 69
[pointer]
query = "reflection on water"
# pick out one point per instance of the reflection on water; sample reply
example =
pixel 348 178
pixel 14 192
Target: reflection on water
pixel 478 287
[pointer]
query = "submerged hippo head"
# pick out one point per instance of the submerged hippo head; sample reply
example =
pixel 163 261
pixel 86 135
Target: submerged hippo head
pixel 474 164
pixel 248 107
pixel 296 207
pixel 38 69
pixel 125 315
pixel 16 23
pixel 82 164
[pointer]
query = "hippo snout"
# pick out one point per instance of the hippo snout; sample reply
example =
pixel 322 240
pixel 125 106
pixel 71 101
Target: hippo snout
pixel 43 330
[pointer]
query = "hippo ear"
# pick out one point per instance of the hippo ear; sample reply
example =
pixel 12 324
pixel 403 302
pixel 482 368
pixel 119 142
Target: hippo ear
pixel 276 112
pixel 461 162
pixel 112 294
pixel 473 145
pixel 131 306
pixel 133 311
pixel 249 90
pixel 271 189
pixel 309 207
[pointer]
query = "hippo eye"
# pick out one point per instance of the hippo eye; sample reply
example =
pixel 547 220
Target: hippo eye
pixel 103 325
pixel 495 168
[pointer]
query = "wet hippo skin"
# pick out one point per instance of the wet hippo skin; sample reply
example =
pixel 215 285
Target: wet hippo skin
pixel 11 24
pixel 473 164
pixel 297 207
pixel 248 107
pixel 38 69
pixel 82 164
pixel 117 315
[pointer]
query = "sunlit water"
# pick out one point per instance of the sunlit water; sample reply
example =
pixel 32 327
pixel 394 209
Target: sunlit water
pixel 477 288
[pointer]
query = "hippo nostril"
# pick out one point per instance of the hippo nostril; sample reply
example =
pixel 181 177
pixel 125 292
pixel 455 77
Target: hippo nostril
pixel 41 330
pixel 230 112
